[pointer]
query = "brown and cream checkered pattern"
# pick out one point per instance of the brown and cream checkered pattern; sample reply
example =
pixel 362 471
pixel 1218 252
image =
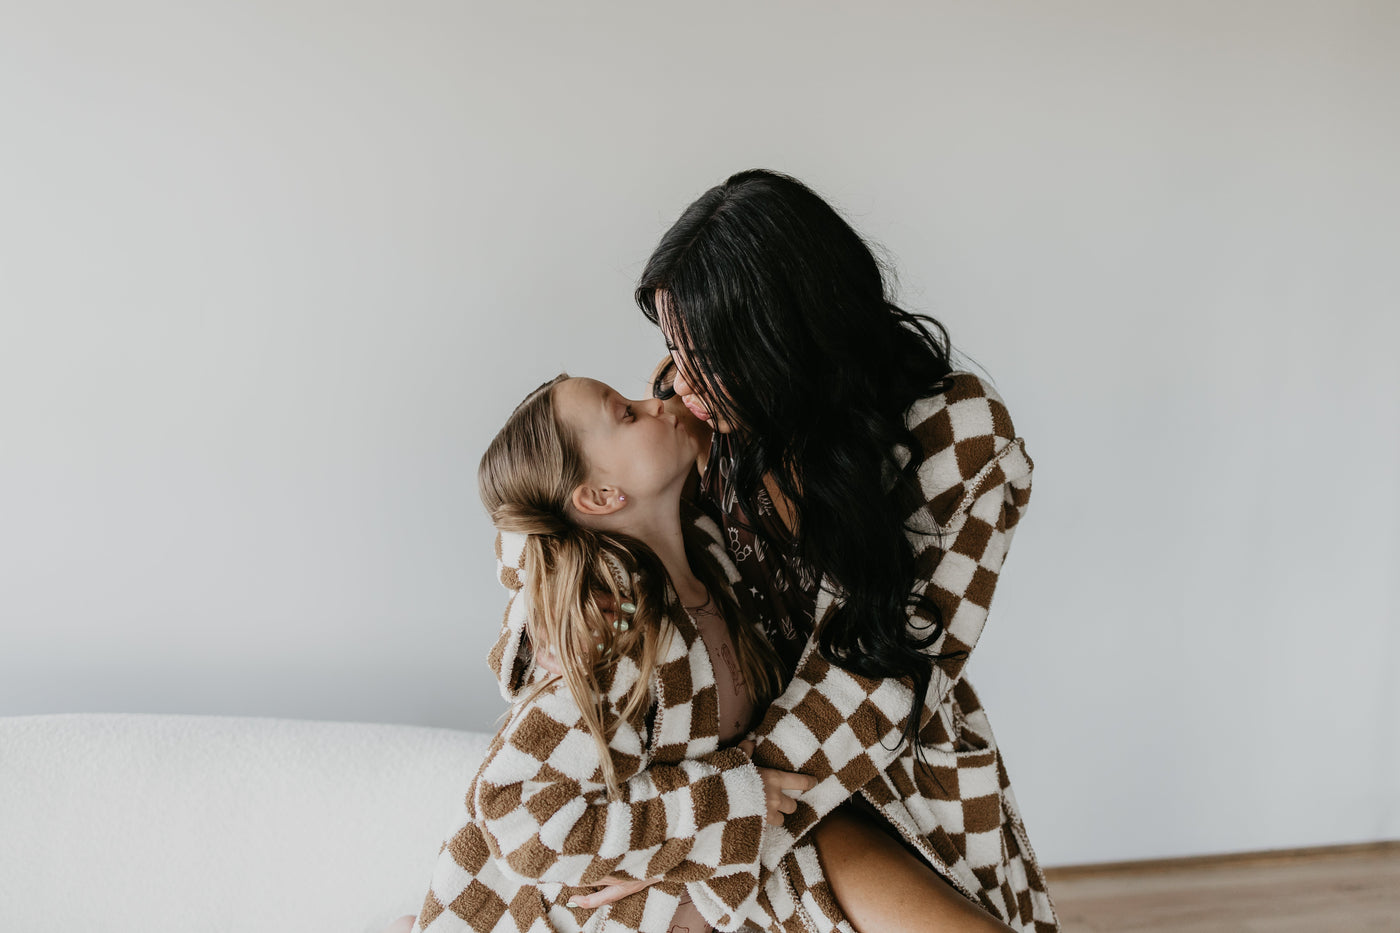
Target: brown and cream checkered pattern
pixel 957 810
pixel 538 827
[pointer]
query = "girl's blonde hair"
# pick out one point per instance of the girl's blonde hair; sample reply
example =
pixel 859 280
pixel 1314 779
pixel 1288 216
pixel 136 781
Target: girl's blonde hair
pixel 526 479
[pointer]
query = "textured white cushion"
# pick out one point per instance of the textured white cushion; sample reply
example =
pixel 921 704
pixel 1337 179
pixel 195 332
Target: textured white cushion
pixel 199 823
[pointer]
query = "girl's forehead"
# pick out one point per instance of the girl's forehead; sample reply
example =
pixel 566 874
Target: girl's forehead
pixel 586 386
pixel 579 397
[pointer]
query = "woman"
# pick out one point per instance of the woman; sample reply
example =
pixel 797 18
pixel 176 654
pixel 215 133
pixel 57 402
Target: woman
pixel 868 492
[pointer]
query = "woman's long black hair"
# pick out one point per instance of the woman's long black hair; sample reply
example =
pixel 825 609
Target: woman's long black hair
pixel 784 319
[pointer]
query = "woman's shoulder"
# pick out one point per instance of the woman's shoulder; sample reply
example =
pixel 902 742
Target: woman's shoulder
pixel 967 440
pixel 968 406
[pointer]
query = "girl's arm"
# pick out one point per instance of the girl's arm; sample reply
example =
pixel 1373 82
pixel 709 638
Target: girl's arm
pixel 845 729
pixel 543 805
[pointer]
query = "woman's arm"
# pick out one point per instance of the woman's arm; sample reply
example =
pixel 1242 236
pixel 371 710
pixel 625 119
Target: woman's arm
pixel 845 729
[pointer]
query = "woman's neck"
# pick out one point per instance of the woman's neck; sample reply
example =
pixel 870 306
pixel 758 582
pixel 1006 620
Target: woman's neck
pixel 786 513
pixel 781 503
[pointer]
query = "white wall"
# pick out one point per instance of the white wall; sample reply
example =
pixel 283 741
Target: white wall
pixel 272 274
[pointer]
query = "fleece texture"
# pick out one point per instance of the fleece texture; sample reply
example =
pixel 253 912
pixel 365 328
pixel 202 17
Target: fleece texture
pixel 957 809
pixel 538 827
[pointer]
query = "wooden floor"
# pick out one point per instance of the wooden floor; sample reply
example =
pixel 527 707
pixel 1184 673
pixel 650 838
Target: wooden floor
pixel 1346 889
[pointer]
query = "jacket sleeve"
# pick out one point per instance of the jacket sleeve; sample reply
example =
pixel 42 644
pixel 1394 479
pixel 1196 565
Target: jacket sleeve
pixel 542 803
pixel 845 729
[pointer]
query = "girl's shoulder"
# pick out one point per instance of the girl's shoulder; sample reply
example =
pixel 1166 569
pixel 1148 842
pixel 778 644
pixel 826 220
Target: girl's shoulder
pixel 547 727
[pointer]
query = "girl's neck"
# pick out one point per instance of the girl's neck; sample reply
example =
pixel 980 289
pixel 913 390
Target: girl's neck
pixel 667 541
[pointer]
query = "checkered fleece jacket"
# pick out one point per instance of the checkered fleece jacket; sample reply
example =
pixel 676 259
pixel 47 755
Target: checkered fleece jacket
pixel 536 826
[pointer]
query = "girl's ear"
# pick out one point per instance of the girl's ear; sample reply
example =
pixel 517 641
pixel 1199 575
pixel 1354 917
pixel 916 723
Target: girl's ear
pixel 596 501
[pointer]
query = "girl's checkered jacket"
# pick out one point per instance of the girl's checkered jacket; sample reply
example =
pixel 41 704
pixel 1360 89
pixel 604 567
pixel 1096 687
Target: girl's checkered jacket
pixel 536 826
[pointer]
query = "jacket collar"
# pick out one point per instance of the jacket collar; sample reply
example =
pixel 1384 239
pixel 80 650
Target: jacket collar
pixel 510 658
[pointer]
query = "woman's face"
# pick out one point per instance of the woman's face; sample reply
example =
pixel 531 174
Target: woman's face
pixel 689 393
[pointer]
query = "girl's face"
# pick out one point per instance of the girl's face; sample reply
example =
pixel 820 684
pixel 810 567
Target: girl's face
pixel 633 448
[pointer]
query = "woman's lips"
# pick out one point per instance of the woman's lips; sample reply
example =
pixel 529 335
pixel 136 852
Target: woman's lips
pixel 695 409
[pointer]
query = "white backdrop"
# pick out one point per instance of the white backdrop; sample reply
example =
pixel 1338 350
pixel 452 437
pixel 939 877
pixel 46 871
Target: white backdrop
pixel 272 274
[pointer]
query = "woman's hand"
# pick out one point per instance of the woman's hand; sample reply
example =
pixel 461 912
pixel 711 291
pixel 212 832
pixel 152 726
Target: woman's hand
pixel 775 785
pixel 613 889
pixel 546 659
pixel 544 654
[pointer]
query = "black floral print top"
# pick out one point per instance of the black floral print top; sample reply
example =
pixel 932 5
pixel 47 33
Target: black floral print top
pixel 777 585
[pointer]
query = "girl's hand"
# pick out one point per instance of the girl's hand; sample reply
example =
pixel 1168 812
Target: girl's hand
pixel 613 889
pixel 775 783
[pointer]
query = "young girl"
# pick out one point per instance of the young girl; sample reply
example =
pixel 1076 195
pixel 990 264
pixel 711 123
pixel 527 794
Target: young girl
pixel 619 767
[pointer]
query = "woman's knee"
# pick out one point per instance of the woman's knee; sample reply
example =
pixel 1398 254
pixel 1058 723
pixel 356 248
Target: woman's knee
pixel 841 831
pixel 880 885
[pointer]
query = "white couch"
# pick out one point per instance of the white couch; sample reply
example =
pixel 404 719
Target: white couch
pixel 117 823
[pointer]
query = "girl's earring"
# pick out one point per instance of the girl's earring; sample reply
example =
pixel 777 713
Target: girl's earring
pixel 621 497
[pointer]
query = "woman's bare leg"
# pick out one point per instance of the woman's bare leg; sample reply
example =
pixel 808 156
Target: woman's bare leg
pixel 881 887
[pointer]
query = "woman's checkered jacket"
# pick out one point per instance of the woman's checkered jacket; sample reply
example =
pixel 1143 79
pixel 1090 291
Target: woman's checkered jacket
pixel 537 827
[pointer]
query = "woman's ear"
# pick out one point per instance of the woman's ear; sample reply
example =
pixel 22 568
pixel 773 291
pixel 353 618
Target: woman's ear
pixel 596 501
